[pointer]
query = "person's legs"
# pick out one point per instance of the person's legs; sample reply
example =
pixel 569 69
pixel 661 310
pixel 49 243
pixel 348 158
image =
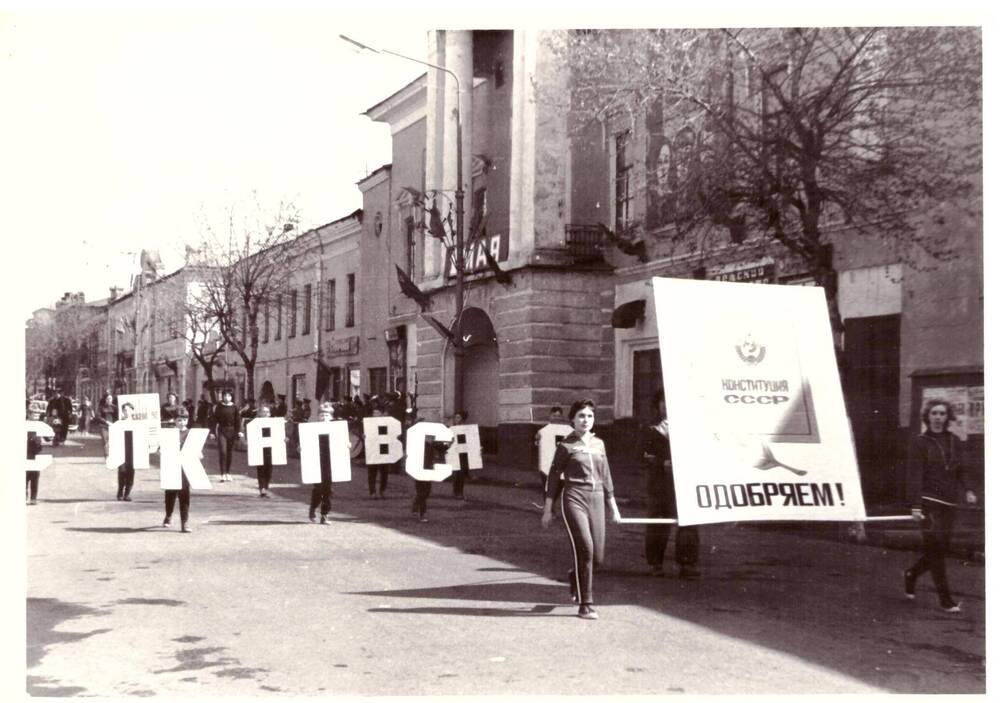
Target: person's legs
pixel 577 520
pixel 169 497
pixel 220 441
pixel 383 483
pixel 121 481
pixel 104 439
pixel 230 441
pixel 185 501
pixel 31 479
pixel 937 539
pixel 129 482
pixel 314 500
pixel 372 476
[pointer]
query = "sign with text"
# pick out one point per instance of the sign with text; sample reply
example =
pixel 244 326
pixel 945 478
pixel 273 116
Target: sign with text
pixel 465 449
pixel 759 429
pixel 145 409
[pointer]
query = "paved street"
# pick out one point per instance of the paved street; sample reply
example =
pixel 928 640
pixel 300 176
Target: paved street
pixel 257 600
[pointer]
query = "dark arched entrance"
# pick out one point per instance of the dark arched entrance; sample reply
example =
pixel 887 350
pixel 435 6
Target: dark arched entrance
pixel 480 373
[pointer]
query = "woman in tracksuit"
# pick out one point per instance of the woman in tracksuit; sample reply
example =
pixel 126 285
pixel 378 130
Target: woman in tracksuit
pixel 580 466
pixel 936 482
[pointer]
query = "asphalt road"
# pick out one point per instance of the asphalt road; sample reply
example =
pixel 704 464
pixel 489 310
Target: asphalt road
pixel 258 600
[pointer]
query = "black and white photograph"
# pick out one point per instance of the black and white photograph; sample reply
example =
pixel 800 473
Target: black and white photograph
pixel 451 351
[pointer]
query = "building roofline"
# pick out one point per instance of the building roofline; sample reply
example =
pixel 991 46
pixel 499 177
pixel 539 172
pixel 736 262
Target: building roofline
pixel 380 110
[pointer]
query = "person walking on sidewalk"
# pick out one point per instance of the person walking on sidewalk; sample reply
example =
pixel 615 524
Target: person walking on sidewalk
pixel 58 411
pixel 936 482
pixel 663 500
pixel 107 413
pixel 582 464
pixel 86 415
pixel 434 453
pixel 169 410
pixel 226 421
pixel 171 496
pixel 321 491
pixel 31 477
pixel 126 472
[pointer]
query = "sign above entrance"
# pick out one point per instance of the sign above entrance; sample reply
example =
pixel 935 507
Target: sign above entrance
pixel 475 253
pixel 344 346
pixel 760 271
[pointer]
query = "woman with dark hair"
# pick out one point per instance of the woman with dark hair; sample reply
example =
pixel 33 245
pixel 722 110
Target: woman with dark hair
pixel 226 422
pixel 936 483
pixel 663 500
pixel 582 465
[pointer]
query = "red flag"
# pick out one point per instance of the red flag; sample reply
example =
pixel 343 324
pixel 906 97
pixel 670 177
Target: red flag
pixel 410 290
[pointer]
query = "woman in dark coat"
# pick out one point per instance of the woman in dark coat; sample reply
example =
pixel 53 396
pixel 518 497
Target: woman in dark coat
pixel 936 483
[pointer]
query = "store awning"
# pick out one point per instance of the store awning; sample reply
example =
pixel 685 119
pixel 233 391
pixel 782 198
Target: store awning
pixel 628 314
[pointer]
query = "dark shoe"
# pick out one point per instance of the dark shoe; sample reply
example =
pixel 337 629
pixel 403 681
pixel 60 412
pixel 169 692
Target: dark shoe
pixel 312 517
pixel 951 607
pixel 323 520
pixel 265 494
pixel 587 613
pixel 909 585
pixel 689 572
pixel 127 499
pixel 118 497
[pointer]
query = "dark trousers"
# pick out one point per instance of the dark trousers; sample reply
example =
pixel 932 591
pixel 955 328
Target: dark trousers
pixel 126 477
pixel 936 533
pixel 458 482
pixel 320 497
pixel 264 476
pixel 60 430
pixel 423 493
pixel 226 443
pixel 686 544
pixel 379 473
pixel 31 483
pixel 171 496
pixel 104 430
pixel 583 514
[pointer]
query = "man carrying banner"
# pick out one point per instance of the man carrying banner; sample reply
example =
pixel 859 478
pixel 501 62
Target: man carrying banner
pixel 663 500
pixel 321 491
pixel 126 472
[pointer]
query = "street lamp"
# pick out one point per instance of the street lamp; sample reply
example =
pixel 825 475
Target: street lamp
pixel 459 216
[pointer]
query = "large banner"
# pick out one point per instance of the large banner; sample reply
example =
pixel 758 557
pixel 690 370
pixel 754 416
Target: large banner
pixel 146 409
pixel 758 427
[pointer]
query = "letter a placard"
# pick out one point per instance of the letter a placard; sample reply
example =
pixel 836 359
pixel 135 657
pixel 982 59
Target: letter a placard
pixel 754 397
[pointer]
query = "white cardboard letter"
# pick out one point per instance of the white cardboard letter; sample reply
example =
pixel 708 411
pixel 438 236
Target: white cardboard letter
pixel 467 443
pixel 382 445
pixel 175 459
pixel 140 443
pixel 41 429
pixel 548 440
pixel 257 442
pixel 415 437
pixel 340 450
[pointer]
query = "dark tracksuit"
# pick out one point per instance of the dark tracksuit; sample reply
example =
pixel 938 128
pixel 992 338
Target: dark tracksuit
pixel 126 472
pixel 936 479
pixel 31 477
pixel 586 483
pixel 432 455
pixel 170 496
pixel 264 471
pixel 321 491
pixel 378 473
pixel 663 504
pixel 226 421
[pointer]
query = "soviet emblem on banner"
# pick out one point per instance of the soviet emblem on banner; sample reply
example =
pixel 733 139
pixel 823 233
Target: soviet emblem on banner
pixel 750 351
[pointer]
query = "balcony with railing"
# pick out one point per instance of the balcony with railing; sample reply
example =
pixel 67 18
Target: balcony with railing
pixel 585 243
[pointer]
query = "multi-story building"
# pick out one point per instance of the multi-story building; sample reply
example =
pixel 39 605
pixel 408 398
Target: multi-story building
pixel 565 314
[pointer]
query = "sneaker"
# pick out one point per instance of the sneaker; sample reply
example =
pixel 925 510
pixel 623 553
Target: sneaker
pixel 951 607
pixel 166 522
pixel 127 499
pixel 689 572
pixel 184 527
pixel 265 494
pixel 222 478
pixel 423 518
pixel 909 585
pixel 323 520
pixel 312 517
pixel 32 502
pixel 587 613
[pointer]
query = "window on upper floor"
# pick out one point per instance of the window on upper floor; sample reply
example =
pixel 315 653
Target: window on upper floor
pixel 331 304
pixel 277 318
pixel 411 246
pixel 267 321
pixel 293 312
pixel 307 309
pixel 623 184
pixel 349 321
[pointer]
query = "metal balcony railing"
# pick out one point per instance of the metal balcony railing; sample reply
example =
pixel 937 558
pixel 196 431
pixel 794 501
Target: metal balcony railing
pixel 585 242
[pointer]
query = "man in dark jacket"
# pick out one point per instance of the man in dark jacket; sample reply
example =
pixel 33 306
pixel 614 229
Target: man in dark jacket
pixel 60 407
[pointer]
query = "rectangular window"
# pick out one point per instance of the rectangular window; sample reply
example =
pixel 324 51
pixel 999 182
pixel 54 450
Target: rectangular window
pixel 411 246
pixel 307 299
pixel 293 312
pixel 331 304
pixel 377 380
pixel 277 318
pixel 267 320
pixel 349 321
pixel 623 192
pixel 647 381
pixel 335 389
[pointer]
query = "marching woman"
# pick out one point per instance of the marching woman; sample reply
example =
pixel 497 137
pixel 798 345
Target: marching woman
pixel 582 465
pixel 107 413
pixel 226 421
pixel 936 483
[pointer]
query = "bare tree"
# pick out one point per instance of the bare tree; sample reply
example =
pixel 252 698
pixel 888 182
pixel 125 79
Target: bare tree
pixel 785 136
pixel 245 264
